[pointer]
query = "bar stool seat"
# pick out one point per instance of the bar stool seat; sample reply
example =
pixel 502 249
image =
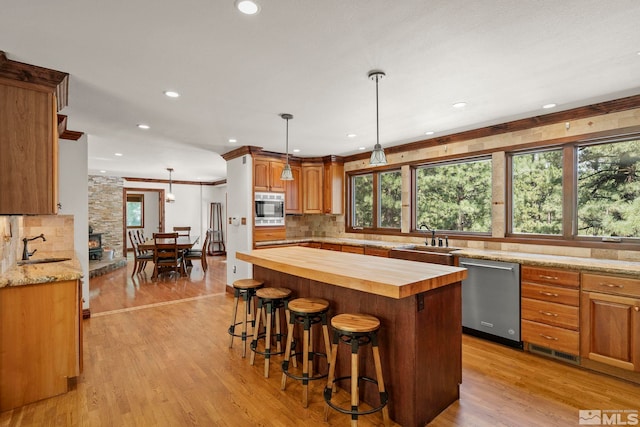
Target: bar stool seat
pixel 356 330
pixel 245 288
pixel 270 300
pixel 307 312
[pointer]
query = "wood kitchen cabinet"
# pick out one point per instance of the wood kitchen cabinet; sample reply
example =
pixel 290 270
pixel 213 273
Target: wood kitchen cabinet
pixel 29 145
pixel 266 175
pixel 550 308
pixel 40 341
pixel 30 97
pixel 312 186
pixel 333 186
pixel 610 321
pixel 293 191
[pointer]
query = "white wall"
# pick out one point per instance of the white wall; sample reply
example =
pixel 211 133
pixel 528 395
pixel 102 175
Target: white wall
pixel 151 215
pixel 191 207
pixel 74 199
pixel 239 205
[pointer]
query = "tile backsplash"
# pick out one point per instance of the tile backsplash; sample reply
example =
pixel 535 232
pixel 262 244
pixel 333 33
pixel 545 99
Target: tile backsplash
pixel 57 229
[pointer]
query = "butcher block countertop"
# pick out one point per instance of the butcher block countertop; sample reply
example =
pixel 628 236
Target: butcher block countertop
pixel 393 278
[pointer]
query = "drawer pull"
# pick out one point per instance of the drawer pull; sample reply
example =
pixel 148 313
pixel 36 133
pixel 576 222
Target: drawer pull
pixel 611 285
pixel 547 337
pixel 542 276
pixel 547 313
pixel 548 294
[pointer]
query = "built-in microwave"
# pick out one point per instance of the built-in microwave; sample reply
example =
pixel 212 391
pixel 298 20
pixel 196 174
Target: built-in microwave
pixel 269 209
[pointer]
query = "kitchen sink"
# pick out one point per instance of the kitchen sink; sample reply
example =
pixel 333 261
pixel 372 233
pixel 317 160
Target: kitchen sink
pixel 430 254
pixel 42 261
pixel 425 248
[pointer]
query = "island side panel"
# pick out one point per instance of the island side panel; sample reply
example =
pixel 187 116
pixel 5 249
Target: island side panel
pixel 406 349
pixel 439 345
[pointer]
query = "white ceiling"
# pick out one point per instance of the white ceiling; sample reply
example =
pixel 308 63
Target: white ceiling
pixel 237 73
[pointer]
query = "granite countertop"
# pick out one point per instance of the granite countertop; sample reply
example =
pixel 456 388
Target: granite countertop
pixel 593 265
pixel 30 274
pixel 382 244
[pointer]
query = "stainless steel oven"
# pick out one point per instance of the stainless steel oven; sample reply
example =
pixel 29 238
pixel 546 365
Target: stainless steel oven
pixel 269 209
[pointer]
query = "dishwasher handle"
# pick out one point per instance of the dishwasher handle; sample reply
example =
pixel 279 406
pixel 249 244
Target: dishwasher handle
pixel 495 267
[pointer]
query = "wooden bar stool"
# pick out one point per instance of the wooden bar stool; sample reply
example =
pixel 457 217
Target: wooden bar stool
pixel 356 330
pixel 245 288
pixel 307 312
pixel 270 300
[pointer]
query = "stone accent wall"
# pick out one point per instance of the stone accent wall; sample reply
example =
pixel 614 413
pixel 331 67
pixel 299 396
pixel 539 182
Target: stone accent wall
pixel 105 210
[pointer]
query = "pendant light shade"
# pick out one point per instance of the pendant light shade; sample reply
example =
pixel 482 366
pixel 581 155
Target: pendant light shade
pixel 286 174
pixel 170 196
pixel 377 155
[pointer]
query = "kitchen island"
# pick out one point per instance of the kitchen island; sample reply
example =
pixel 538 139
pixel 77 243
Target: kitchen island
pixel 419 307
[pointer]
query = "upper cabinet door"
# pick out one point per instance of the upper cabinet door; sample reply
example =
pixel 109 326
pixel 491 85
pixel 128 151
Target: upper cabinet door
pixel 312 188
pixel 261 175
pixel 293 192
pixel 276 168
pixel 29 146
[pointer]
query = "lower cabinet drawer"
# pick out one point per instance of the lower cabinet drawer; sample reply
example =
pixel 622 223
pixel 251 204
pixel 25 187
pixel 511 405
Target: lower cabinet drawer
pixel 564 316
pixel 549 293
pixel 551 336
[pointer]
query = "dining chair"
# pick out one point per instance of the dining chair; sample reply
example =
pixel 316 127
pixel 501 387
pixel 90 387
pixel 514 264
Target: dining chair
pixel 166 255
pixel 140 259
pixel 199 254
pixel 182 231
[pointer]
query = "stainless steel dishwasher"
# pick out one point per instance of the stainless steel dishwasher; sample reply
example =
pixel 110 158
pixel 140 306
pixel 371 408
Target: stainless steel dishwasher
pixel 491 300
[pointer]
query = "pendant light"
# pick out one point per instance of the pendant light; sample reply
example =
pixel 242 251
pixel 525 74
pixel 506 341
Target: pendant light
pixel 377 155
pixel 286 174
pixel 170 196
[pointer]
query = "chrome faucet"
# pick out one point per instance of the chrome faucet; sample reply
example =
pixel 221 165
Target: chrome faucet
pixel 433 235
pixel 25 251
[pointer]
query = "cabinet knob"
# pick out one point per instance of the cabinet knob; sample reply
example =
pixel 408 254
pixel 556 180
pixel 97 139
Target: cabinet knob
pixel 636 308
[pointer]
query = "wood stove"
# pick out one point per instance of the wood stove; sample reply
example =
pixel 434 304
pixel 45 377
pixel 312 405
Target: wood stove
pixel 95 246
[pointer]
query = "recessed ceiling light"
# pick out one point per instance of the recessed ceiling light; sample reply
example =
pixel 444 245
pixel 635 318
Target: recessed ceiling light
pixel 143 126
pixel 459 105
pixel 171 94
pixel 247 7
pixel 546 106
pixel 362 148
pixel 103 171
pixel 351 135
pixel 296 150
pixel 118 154
pixel 232 140
pixel 429 132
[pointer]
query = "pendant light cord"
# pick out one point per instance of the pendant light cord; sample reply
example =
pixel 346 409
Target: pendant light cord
pixel 377 122
pixel 287 144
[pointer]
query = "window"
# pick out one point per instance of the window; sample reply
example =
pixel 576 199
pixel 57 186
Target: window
pixel 362 188
pixel 376 200
pixel 135 210
pixel 536 192
pixel 390 197
pixel 608 189
pixel 454 196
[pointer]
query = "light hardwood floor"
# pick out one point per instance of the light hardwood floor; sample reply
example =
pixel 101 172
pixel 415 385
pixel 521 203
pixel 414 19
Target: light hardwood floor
pixel 156 354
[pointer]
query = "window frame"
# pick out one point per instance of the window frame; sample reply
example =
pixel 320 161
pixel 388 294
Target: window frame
pixel 414 193
pixel 375 228
pixel 139 198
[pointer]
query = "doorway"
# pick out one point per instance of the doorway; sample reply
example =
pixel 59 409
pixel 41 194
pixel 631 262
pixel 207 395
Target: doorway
pixel 143 209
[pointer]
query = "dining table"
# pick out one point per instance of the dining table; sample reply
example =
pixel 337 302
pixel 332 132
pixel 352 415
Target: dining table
pixel 183 242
